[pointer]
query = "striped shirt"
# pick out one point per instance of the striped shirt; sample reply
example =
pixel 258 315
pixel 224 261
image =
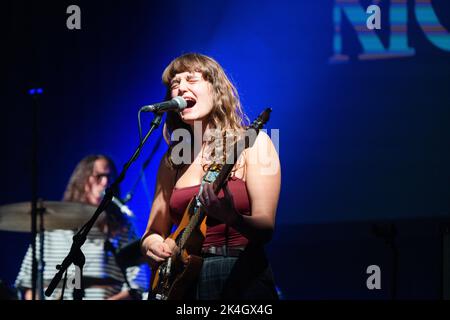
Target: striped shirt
pixel 99 264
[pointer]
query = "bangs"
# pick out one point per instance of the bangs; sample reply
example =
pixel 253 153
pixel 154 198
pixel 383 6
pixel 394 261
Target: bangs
pixel 190 62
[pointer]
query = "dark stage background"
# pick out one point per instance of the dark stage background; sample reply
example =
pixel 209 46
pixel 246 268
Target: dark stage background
pixel 363 140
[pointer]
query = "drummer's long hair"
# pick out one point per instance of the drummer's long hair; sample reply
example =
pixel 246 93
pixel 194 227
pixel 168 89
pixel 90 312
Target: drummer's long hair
pixel 75 190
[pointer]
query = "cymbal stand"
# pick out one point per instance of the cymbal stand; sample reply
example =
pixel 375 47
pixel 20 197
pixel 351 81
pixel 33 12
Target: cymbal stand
pixel 35 93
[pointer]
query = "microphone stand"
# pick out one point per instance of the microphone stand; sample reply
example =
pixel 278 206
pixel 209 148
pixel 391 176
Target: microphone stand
pixel 75 255
pixel 41 265
pixel 130 193
pixel 35 212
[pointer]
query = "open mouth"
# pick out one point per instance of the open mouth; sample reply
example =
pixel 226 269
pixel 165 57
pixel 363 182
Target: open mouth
pixel 190 102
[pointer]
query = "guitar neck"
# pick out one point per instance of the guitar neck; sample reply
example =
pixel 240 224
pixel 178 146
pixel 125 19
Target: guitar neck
pixel 222 177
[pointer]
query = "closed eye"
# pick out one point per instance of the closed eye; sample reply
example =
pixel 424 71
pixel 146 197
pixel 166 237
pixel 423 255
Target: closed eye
pixel 193 80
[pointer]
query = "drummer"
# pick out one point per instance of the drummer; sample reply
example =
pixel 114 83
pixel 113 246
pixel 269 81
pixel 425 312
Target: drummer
pixel 86 185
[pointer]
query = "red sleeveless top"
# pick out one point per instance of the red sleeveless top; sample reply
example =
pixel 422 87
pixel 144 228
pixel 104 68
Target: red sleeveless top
pixel 216 232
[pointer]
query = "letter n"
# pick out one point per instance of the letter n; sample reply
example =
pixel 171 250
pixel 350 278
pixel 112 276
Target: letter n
pixel 372 46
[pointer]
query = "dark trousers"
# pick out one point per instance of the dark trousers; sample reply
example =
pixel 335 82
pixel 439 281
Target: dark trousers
pixel 247 277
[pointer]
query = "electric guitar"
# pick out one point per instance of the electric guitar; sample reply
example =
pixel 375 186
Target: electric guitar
pixel 173 277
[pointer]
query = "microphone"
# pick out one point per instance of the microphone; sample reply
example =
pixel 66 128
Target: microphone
pixel 125 210
pixel 176 104
pixel 123 207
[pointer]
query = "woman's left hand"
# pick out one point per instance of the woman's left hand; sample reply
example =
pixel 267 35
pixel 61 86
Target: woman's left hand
pixel 221 209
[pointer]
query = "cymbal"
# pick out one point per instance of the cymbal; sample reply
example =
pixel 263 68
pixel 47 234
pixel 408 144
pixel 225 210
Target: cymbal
pixel 57 215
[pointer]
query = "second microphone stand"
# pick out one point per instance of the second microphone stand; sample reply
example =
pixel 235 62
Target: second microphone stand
pixel 75 255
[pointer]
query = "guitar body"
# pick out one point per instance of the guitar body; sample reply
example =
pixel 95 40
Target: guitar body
pixel 172 279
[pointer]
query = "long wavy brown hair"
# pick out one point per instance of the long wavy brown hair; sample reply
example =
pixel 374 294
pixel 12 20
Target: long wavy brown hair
pixel 75 187
pixel 75 190
pixel 227 111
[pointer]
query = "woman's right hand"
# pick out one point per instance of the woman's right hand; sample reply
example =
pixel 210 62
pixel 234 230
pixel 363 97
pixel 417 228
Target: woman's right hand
pixel 158 251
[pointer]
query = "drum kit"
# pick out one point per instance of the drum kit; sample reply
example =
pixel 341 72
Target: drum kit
pixel 16 217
